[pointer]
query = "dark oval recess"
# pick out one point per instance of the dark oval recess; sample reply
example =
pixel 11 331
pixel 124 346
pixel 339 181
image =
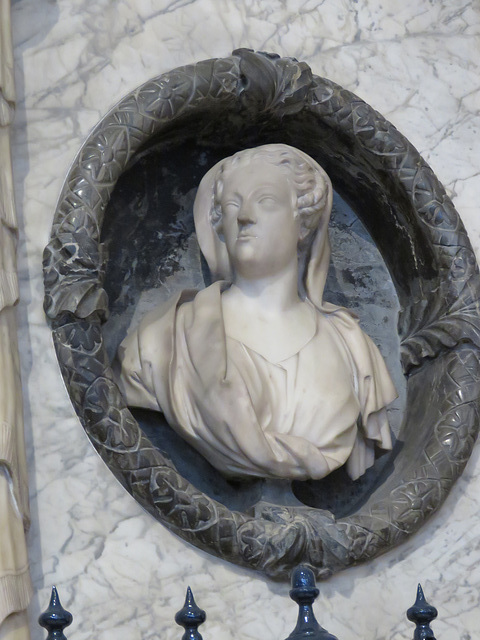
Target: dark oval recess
pixel 149 236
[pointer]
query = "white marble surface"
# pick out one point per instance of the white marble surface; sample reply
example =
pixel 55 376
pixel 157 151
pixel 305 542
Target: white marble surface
pixel 121 573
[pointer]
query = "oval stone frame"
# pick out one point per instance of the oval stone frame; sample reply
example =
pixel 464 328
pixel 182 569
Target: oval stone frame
pixel 421 239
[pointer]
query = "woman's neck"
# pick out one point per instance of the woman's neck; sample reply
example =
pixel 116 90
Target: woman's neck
pixel 267 316
pixel 274 293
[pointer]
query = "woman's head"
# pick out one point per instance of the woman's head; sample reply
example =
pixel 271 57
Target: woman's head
pixel 312 204
pixel 308 180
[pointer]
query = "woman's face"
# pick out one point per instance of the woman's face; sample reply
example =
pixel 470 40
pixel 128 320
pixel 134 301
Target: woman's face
pixel 259 219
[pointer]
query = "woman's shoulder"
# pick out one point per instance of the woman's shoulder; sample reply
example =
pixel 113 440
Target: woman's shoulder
pixel 338 314
pixel 365 354
pixel 359 344
pixel 340 320
pixel 163 314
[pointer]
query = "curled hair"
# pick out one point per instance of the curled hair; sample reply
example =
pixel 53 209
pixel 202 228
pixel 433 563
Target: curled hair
pixel 309 180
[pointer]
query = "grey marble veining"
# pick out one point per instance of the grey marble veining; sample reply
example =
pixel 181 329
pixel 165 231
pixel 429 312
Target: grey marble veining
pixel 122 574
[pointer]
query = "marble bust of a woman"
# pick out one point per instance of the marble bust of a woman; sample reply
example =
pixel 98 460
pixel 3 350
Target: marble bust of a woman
pixel 256 371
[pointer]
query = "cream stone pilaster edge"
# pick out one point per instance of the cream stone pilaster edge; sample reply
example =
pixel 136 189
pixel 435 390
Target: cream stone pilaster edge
pixel 15 584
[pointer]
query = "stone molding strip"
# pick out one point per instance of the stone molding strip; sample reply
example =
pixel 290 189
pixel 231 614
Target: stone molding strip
pixel 15 585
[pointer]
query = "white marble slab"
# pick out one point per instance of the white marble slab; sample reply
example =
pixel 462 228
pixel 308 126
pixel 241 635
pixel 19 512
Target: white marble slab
pixel 122 574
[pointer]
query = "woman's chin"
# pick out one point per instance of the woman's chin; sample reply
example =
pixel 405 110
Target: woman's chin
pixel 248 252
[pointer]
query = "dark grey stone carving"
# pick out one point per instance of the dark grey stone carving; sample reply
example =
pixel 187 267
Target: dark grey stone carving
pixel 240 101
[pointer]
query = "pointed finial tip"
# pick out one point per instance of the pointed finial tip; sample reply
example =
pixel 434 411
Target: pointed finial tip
pixel 54 598
pixel 189 599
pixel 55 618
pixel 422 613
pixel 190 614
pixel 420 595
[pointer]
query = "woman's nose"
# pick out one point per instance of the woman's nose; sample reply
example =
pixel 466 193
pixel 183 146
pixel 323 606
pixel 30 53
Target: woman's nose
pixel 246 215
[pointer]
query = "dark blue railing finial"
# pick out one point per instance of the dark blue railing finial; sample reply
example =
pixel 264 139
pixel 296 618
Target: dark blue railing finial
pixel 190 617
pixel 55 618
pixel 422 614
pixel 304 592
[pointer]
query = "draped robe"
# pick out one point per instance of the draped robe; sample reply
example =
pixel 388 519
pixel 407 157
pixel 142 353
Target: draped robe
pixel 299 418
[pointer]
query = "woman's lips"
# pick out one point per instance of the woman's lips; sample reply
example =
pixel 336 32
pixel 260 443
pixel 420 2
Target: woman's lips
pixel 246 236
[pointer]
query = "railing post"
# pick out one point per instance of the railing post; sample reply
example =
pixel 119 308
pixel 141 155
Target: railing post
pixel 422 614
pixel 304 593
pixel 190 617
pixel 55 618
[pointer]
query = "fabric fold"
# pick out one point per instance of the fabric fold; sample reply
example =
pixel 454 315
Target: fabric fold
pixel 252 417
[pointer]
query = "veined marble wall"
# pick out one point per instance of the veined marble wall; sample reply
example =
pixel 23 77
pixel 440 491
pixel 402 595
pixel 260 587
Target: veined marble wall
pixel 121 573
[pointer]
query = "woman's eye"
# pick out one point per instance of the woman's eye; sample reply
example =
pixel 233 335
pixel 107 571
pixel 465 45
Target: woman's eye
pixel 230 207
pixel 268 201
